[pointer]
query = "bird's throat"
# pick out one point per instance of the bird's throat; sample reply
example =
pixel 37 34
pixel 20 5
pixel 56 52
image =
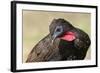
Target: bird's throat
pixel 68 36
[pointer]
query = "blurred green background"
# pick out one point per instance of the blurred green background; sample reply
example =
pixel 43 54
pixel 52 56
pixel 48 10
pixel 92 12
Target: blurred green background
pixel 36 26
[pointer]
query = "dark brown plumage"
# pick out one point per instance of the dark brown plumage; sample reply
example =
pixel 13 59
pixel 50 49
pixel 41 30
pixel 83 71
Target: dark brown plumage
pixel 43 51
pixel 64 42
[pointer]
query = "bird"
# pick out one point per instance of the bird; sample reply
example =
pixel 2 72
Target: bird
pixel 64 42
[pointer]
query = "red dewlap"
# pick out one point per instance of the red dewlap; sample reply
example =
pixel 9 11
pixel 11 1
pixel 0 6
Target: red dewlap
pixel 68 36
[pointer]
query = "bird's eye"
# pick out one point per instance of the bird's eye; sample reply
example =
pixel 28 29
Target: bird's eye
pixel 58 30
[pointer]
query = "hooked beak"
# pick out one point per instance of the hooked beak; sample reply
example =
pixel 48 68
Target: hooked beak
pixel 54 37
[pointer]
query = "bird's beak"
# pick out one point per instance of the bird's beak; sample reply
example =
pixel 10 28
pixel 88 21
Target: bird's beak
pixel 54 37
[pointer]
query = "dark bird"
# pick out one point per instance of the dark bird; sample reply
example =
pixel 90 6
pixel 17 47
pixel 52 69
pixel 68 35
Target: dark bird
pixel 64 42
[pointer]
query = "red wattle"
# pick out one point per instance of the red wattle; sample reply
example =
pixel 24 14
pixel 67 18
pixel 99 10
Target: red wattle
pixel 68 36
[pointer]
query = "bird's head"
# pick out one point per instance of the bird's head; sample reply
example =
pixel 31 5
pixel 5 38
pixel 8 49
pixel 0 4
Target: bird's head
pixel 60 28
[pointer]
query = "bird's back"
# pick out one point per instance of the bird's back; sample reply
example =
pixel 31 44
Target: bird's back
pixel 44 51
